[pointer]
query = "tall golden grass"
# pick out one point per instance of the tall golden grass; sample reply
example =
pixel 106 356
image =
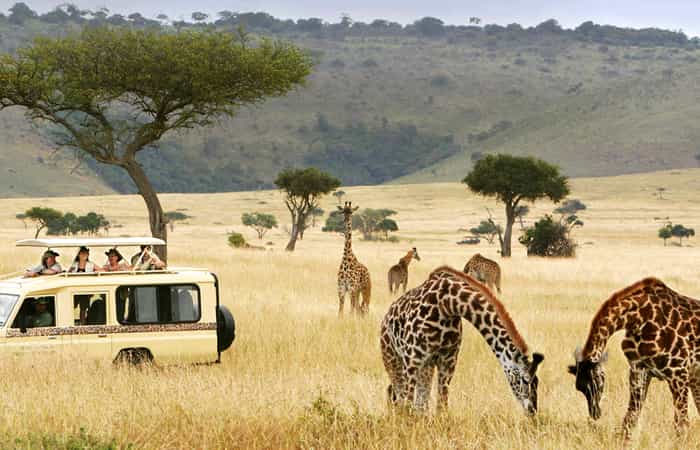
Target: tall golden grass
pixel 299 376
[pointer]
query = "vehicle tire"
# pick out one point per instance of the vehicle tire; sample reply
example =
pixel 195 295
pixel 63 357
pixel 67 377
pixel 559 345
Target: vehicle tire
pixel 136 357
pixel 225 328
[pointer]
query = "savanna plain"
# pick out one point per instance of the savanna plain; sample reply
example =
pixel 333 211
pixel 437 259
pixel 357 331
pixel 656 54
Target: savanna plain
pixel 298 376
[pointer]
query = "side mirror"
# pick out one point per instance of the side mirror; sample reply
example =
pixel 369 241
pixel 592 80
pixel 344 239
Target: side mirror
pixel 572 370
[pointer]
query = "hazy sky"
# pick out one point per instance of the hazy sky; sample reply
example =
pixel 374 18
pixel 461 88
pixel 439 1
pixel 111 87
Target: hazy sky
pixel 670 14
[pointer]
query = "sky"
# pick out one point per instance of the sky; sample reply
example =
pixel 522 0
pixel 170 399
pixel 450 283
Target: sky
pixel 670 14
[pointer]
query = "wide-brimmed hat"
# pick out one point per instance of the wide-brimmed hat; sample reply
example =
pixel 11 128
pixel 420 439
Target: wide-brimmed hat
pixel 50 252
pixel 114 251
pixel 41 301
pixel 83 249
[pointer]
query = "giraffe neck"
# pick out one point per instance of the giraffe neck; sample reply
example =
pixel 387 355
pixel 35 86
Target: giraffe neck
pixel 614 315
pixel 406 260
pixel 509 350
pixel 347 251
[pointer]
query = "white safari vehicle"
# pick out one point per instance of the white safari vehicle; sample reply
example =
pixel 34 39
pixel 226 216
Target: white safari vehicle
pixel 165 315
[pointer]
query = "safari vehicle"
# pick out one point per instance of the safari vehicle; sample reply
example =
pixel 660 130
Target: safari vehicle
pixel 469 240
pixel 165 315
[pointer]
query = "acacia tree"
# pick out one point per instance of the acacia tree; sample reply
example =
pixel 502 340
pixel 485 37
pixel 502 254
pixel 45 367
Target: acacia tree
pixel 302 189
pixel 260 222
pixel 513 179
pixel 43 217
pixel 110 93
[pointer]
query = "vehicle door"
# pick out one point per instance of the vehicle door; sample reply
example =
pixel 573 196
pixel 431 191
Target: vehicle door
pixel 90 335
pixel 34 329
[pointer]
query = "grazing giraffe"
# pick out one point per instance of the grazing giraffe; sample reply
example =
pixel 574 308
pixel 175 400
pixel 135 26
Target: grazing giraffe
pixel 662 340
pixel 353 276
pixel 485 270
pixel 398 274
pixel 423 330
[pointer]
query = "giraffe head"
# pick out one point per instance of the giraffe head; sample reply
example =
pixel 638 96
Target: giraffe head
pixel 523 380
pixel 347 210
pixel 590 381
pixel 414 253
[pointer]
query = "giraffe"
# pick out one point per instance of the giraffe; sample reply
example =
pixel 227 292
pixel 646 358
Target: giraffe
pixel 662 340
pixel 353 276
pixel 398 274
pixel 485 270
pixel 423 330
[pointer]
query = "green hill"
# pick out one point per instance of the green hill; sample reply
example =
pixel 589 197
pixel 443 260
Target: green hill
pixel 412 104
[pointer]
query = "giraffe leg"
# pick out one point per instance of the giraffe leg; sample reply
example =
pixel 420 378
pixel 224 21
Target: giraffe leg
pixel 639 379
pixel 695 390
pixel 366 296
pixel 341 302
pixel 446 368
pixel 679 392
pixel 424 382
pixel 394 368
pixel 354 297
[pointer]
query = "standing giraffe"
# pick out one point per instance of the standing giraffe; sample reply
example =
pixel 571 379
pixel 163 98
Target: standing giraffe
pixel 398 274
pixel 423 330
pixel 662 340
pixel 485 270
pixel 353 276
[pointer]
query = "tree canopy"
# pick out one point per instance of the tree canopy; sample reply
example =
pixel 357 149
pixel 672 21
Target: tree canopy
pixel 109 93
pixel 512 179
pixel 302 189
pixel 260 222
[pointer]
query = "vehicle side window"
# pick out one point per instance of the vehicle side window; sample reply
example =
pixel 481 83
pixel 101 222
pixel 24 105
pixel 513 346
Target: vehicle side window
pixel 36 312
pixel 89 309
pixel 161 304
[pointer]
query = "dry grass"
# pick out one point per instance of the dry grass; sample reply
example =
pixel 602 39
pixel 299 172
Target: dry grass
pixel 297 376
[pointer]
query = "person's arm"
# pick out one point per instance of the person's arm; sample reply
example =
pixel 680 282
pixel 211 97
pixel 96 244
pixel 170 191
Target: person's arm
pixel 33 272
pixel 53 270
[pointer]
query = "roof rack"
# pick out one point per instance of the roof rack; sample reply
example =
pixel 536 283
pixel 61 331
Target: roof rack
pixel 95 242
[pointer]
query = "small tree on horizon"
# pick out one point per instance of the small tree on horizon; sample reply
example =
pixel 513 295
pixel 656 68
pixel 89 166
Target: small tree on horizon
pixel 339 195
pixel 681 232
pixel 520 212
pixel 487 229
pixel 260 222
pixel 23 218
pixel 665 232
pixel 302 190
pixel 513 179
pixel 176 216
pixel 43 217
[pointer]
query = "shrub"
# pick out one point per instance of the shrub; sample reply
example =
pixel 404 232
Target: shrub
pixel 571 206
pixel 236 240
pixel 548 237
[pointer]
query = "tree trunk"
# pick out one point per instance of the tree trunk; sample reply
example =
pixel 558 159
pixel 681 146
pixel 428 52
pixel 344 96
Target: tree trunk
pixel 156 218
pixel 508 232
pixel 292 237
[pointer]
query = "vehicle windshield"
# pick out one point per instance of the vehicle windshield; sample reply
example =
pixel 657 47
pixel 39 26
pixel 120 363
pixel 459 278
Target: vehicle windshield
pixel 7 302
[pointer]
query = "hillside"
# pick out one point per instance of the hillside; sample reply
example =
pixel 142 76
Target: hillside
pixel 416 106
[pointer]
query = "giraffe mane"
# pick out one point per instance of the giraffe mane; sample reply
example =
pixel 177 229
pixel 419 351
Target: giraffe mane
pixel 500 309
pixel 604 309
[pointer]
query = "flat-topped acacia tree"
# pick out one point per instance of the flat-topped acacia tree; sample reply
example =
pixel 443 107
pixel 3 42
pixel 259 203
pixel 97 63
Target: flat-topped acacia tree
pixel 111 93
pixel 512 179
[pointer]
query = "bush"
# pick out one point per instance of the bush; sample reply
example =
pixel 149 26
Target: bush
pixel 548 237
pixel 571 206
pixel 236 240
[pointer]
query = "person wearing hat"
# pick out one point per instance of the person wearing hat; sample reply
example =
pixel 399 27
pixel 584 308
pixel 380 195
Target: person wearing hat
pixel 48 266
pixel 146 259
pixel 115 261
pixel 42 317
pixel 82 263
